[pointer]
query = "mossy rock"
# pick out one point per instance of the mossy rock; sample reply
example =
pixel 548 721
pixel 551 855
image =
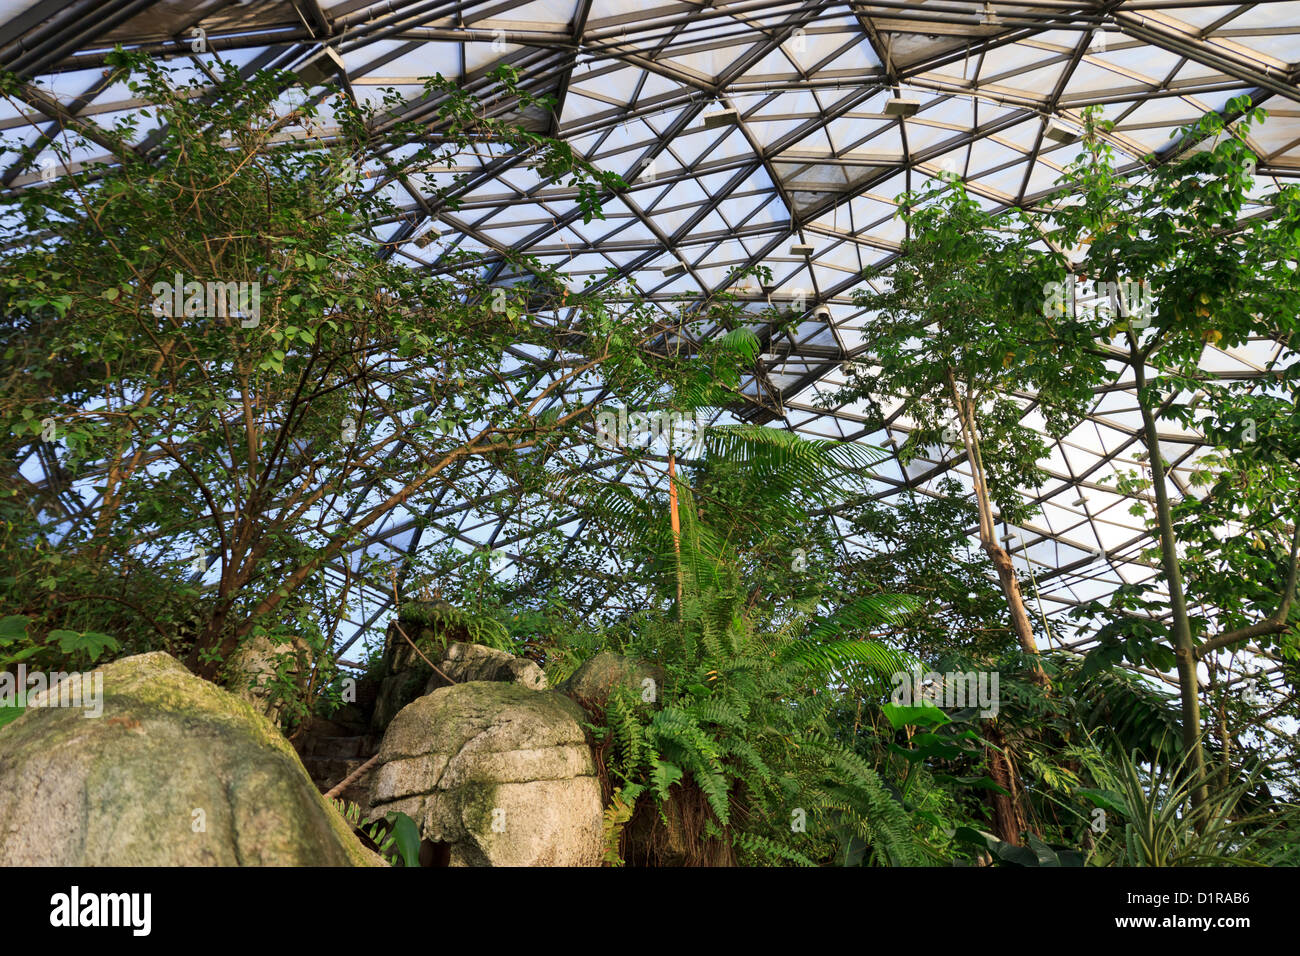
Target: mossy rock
pixel 595 679
pixel 174 772
pixel 462 663
pixel 254 671
pixel 499 774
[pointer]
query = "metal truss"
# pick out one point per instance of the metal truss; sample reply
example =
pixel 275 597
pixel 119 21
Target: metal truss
pixel 809 156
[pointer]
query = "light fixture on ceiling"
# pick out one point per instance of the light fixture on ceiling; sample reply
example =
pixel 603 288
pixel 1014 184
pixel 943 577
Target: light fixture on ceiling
pixel 899 106
pixel 1061 134
pixel 423 240
pixel 321 68
pixel 1080 501
pixel 673 270
pixel 801 249
pixel 717 120
pixel 822 312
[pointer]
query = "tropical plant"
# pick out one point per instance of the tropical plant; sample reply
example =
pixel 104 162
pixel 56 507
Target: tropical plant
pixel 739 739
pixel 395 837
pixel 1149 817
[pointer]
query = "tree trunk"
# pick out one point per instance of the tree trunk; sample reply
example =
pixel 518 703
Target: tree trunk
pixel 1016 602
pixel 1221 712
pixel 1008 815
pixel 1184 651
pixel 210 638
pixel 1006 571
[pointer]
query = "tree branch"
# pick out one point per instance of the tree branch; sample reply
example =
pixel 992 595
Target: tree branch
pixel 1275 623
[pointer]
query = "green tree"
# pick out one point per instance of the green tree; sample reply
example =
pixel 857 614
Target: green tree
pixel 958 340
pixel 234 378
pixel 1216 258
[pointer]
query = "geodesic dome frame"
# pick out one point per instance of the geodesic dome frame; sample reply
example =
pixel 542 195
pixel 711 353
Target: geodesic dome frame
pixel 752 134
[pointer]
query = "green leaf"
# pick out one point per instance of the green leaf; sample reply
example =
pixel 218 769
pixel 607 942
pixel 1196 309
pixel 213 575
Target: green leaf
pixel 740 342
pixel 12 628
pixel 1106 799
pixel 21 655
pixel 979 783
pixel 91 642
pixel 407 836
pixel 919 715
pixel 1045 854
pixel 9 713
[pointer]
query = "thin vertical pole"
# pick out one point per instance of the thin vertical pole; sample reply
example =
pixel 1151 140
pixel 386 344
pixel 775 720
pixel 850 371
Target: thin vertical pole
pixel 676 523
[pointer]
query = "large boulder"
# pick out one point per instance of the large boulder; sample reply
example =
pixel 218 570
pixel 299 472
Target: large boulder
pixel 463 663
pixel 174 772
pixel 595 679
pixel 497 774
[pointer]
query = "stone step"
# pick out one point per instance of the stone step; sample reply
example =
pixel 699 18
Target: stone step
pixel 330 755
pixel 328 772
pixel 360 746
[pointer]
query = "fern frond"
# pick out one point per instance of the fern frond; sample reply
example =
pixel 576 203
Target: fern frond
pixel 762 847
pixel 823 659
pixel 867 613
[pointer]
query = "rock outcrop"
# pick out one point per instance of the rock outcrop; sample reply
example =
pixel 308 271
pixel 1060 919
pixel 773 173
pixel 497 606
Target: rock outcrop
pixel 496 774
pixel 175 772
pixel 463 663
pixel 591 684
pixel 265 674
pixel 404 671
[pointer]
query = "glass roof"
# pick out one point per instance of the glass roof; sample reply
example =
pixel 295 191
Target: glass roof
pixel 810 157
